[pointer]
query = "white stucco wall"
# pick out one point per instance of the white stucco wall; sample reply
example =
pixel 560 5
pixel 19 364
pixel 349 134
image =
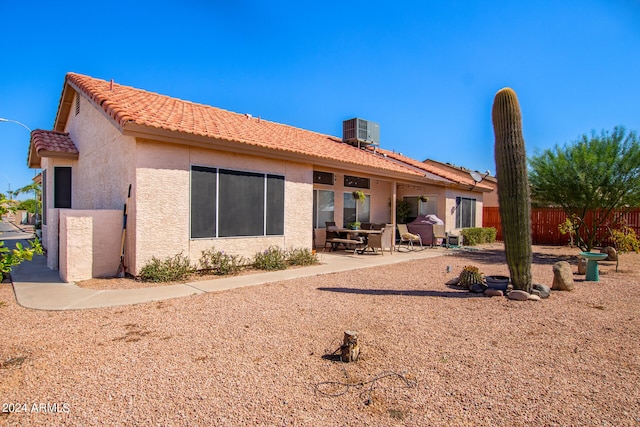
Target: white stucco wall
pixel 162 204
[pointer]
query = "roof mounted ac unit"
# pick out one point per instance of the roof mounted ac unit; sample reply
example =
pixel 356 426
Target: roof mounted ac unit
pixel 360 132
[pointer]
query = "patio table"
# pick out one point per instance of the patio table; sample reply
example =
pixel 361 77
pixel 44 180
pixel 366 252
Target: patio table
pixel 354 233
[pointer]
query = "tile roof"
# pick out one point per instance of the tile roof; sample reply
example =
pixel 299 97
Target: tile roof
pixel 444 172
pixel 127 105
pixel 130 107
pixel 45 143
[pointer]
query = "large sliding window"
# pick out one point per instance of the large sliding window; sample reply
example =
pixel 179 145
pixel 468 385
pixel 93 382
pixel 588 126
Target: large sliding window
pixel 418 207
pixel 465 212
pixel 354 210
pixel 231 203
pixel 323 207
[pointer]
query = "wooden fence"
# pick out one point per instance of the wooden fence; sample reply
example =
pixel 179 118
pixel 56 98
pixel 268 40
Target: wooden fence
pixel 545 221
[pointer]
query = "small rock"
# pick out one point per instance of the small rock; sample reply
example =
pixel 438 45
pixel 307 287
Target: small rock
pixel 490 292
pixel 453 281
pixel 518 295
pixel 613 254
pixel 533 297
pixel 562 276
pixel 477 288
pixel 543 291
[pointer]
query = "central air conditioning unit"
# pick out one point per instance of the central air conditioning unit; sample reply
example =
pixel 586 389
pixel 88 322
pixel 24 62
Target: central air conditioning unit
pixel 360 132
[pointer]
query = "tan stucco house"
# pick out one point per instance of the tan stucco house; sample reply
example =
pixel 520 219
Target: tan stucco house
pixel 204 177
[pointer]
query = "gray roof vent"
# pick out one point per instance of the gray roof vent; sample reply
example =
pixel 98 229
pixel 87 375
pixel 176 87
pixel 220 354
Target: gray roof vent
pixel 360 132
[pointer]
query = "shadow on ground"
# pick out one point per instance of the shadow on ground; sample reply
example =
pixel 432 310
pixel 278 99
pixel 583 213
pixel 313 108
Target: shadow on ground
pixel 497 256
pixel 409 293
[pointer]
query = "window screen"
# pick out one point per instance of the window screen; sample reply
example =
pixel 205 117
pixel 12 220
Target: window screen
pixel 323 178
pixel 44 197
pixel 356 182
pixel 62 187
pixel 275 205
pixel 230 203
pixel 240 203
pixel 203 201
pixel 465 212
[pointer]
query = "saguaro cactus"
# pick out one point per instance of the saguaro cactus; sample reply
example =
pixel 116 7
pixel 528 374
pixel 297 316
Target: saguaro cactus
pixel 513 186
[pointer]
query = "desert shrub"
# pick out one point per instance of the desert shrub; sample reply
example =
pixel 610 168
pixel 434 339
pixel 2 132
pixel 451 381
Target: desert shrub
pixel 10 258
pixel 301 256
pixel 169 269
pixel 220 263
pixel 273 258
pixel 476 235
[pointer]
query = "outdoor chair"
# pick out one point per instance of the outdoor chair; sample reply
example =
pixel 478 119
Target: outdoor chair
pixel 409 238
pixel 381 241
pixel 331 235
pixel 438 233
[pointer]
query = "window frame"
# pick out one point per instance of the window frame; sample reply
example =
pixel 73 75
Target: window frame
pixel 268 210
pixel 460 211
pixel 317 222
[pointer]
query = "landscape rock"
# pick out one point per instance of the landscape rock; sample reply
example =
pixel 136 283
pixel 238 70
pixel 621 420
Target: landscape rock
pixel 518 295
pixel 453 281
pixel 533 297
pixel 477 288
pixel 613 254
pixel 562 276
pixel 490 292
pixel 543 291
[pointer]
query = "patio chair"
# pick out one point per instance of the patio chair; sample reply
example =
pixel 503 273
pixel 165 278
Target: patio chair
pixel 407 237
pixel 438 233
pixel 381 241
pixel 331 235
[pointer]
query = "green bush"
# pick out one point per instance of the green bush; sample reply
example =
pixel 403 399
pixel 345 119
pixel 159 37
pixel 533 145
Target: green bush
pixel 272 258
pixel 220 263
pixel 170 269
pixel 10 258
pixel 476 235
pixel 301 256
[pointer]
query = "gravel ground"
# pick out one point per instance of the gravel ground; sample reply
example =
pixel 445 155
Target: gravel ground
pixel 431 354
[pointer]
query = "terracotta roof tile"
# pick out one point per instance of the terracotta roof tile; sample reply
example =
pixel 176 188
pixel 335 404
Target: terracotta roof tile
pixel 127 105
pixel 130 106
pixel 45 143
pixel 461 178
pixel 53 142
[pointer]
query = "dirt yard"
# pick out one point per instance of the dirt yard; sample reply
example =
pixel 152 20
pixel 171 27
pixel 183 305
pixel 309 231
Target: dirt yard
pixel 264 355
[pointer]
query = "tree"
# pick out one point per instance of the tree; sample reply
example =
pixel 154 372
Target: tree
pixel 597 173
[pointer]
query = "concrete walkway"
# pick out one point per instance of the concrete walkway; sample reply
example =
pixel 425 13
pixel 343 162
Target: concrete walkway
pixel 38 287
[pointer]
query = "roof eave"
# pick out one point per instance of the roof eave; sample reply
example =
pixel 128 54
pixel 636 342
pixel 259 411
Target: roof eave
pixel 156 134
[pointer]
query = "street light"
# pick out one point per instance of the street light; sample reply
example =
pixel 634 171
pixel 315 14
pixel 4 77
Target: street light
pixel 16 122
pixel 2 119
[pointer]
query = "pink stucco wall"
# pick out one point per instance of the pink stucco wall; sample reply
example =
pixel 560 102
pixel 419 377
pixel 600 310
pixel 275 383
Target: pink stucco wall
pixel 162 202
pixel 89 243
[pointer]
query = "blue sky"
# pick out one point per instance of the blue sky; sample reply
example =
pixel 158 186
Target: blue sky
pixel 425 71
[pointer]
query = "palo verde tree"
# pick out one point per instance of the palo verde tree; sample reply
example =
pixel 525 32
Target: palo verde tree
pixel 597 175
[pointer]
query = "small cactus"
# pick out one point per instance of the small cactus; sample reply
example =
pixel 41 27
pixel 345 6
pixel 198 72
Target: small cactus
pixel 470 276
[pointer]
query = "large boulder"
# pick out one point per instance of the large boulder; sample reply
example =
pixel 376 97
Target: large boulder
pixel 562 276
pixel 611 252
